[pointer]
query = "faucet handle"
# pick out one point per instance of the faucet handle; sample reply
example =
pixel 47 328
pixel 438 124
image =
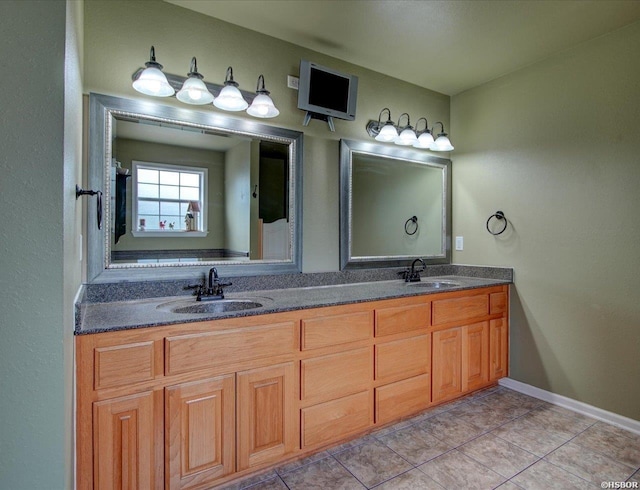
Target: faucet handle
pixel 196 287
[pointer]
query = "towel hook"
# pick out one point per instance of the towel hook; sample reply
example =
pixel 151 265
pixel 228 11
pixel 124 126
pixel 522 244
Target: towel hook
pixel 82 192
pixel 499 215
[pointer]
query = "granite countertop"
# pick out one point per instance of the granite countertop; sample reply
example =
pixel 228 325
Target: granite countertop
pixel 122 315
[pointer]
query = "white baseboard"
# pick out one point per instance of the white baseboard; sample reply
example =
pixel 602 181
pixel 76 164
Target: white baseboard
pixel 571 404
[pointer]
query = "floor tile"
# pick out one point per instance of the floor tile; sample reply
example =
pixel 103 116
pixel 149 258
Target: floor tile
pixel 499 455
pixel 455 470
pixel 392 428
pixel 508 485
pixel 449 429
pixel 515 399
pixel 476 395
pixel 482 417
pixel 272 484
pixel 411 480
pixel 294 465
pixel 505 407
pixel 347 445
pixel 372 462
pixel 530 437
pixel 543 476
pixel 415 445
pixel 251 480
pixel 564 423
pixel 619 432
pixel 604 439
pixel 322 475
pixel 588 464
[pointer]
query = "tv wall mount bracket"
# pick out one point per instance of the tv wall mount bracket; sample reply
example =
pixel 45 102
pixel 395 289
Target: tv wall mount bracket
pixel 313 115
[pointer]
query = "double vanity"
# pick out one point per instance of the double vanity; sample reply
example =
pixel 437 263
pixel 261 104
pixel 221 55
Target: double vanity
pixel 177 393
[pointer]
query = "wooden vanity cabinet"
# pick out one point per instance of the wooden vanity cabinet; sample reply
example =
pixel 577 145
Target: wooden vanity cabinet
pixel 196 405
pixel 199 431
pixel 124 431
pixel 267 429
pixel 474 354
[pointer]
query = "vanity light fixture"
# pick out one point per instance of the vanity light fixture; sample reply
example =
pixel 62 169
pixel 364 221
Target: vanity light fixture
pixel 442 142
pixel 193 90
pixel 230 98
pixel 387 132
pixel 407 136
pixel 262 106
pixel 425 138
pixel 151 81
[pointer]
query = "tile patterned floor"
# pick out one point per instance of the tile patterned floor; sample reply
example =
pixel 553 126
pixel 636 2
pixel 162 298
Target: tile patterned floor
pixel 496 438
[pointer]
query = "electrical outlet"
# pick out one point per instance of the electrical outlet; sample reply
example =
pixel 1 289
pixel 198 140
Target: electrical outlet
pixel 292 82
pixel 459 243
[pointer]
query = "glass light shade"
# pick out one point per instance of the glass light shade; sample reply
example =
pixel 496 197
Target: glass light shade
pixel 230 99
pixel 407 137
pixel 195 92
pixel 425 140
pixel 441 143
pixel 153 82
pixel 262 106
pixel 387 134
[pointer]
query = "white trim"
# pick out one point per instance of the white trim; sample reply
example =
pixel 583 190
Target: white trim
pixel 169 234
pixel 571 404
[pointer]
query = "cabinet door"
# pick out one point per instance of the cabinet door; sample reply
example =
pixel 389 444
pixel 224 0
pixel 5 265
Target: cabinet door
pixel 475 356
pixel 123 443
pixel 200 431
pixel 266 417
pixel 447 364
pixel 499 348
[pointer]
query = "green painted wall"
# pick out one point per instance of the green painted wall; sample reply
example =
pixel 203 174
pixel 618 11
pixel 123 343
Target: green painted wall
pixel 118 35
pixel 40 165
pixel 556 147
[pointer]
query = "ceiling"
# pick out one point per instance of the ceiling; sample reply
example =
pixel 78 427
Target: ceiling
pixel 444 45
pixel 153 132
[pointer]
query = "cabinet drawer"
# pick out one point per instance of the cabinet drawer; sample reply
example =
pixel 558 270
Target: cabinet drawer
pixel 402 398
pixel 332 421
pixel 398 319
pixel 460 309
pixel 497 303
pixel 191 352
pixel 403 358
pixel 335 375
pixel 336 330
pixel 123 364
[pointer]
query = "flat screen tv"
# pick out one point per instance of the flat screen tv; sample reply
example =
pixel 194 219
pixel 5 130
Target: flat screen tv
pixel 326 92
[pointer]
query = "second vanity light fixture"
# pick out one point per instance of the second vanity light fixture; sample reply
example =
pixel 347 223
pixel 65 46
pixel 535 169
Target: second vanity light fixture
pixel 195 91
pixel 405 135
